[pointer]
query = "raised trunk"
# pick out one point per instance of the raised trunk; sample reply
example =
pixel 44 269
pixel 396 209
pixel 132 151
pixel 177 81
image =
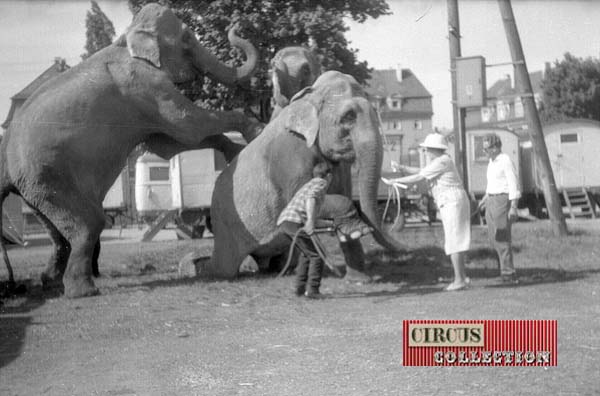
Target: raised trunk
pixel 225 74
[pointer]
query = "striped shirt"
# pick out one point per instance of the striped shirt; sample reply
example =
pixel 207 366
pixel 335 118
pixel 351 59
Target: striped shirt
pixel 295 211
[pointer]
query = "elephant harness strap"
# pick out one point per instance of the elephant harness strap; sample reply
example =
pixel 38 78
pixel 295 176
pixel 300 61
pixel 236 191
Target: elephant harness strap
pixel 325 228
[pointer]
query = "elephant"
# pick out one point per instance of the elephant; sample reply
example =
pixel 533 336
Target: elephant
pixel 332 121
pixel 71 138
pixel 292 69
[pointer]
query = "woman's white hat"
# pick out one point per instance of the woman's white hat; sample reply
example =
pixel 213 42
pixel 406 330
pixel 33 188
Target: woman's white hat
pixel 435 140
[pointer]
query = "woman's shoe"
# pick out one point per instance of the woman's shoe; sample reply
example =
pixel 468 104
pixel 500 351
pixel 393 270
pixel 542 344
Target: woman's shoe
pixel 454 286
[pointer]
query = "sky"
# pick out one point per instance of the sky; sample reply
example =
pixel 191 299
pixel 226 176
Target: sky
pixel 34 32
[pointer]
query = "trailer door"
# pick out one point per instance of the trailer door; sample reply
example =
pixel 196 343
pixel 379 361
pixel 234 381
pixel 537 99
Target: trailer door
pixel 569 161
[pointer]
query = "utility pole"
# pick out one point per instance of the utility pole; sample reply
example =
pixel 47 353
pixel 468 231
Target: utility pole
pixel 534 129
pixel 458 113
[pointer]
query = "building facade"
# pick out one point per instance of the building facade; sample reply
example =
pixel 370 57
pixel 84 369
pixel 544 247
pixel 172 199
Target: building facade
pixel 405 109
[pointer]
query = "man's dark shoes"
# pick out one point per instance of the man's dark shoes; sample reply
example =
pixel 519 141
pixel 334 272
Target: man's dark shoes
pixel 511 279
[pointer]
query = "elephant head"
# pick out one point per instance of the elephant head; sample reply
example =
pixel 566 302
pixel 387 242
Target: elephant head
pixel 292 69
pixel 159 37
pixel 335 116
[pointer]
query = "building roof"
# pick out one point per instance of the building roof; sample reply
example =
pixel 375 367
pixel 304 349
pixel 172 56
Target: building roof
pixel 384 83
pixel 504 87
pixel 57 67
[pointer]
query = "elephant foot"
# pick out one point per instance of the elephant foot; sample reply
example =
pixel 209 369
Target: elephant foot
pixel 51 280
pixel 355 276
pixel 82 287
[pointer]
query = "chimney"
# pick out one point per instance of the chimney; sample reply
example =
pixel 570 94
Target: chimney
pixel 399 72
pixel 60 63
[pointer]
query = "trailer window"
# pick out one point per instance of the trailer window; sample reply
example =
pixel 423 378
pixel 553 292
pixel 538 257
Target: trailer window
pixel 568 138
pixel 159 173
pixel 478 154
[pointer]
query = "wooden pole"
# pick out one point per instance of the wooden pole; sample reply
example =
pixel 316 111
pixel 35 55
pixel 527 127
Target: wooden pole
pixel 536 135
pixel 458 114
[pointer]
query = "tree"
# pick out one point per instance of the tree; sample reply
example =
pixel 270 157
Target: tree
pixel 99 31
pixel 271 25
pixel 571 89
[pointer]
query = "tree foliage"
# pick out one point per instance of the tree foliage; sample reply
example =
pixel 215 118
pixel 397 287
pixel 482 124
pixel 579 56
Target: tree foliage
pixel 271 25
pixel 571 89
pixel 100 31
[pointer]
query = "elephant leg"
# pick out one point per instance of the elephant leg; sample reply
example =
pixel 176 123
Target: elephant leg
pixel 96 255
pixel 81 223
pixel 226 258
pixel 355 262
pixel 57 263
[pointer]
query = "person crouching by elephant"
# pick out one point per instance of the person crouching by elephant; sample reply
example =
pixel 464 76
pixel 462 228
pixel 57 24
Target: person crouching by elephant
pixel 301 214
pixel 452 200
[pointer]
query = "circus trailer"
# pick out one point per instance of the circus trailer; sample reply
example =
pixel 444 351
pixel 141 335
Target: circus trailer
pixel 193 176
pixel 573 149
pixel 152 187
pixel 115 201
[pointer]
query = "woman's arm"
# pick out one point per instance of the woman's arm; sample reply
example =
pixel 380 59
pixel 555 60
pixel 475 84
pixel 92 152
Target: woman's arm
pixel 411 170
pixel 412 179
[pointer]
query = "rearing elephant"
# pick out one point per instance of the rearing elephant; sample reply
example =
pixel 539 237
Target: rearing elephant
pixel 73 135
pixel 331 121
pixel 293 69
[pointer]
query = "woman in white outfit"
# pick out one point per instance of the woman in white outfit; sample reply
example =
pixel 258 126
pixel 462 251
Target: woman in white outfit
pixel 452 200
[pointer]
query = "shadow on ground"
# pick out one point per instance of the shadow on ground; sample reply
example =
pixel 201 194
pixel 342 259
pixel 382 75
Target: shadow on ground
pixel 14 319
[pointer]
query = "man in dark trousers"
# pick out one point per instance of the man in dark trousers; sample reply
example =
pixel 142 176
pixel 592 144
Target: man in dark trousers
pixel 501 198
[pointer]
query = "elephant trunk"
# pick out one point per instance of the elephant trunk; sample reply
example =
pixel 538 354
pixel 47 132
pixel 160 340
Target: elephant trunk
pixel 369 156
pixel 208 62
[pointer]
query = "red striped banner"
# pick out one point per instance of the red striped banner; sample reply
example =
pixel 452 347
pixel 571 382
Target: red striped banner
pixel 479 343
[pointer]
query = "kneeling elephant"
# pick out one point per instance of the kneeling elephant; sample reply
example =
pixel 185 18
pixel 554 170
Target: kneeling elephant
pixel 332 122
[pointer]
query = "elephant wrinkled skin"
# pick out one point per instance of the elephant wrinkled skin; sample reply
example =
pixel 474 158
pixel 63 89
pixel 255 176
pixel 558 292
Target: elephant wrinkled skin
pixel 331 121
pixel 72 137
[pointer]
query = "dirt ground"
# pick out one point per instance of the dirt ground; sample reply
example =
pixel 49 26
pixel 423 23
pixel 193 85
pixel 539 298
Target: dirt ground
pixel 153 333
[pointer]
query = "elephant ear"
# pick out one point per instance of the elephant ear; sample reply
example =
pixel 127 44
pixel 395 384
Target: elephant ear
pixel 143 44
pixel 302 118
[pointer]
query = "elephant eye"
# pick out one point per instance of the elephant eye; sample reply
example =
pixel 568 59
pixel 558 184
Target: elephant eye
pixel 348 118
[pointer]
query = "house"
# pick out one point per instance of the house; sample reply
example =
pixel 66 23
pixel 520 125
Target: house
pixel 504 108
pixel 405 110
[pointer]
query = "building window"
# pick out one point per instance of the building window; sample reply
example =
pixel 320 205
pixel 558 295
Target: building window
pixel 487 114
pixel 397 125
pixel 569 138
pixel 395 104
pixel 519 112
pixel 503 110
pixel 159 173
pixel 418 124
